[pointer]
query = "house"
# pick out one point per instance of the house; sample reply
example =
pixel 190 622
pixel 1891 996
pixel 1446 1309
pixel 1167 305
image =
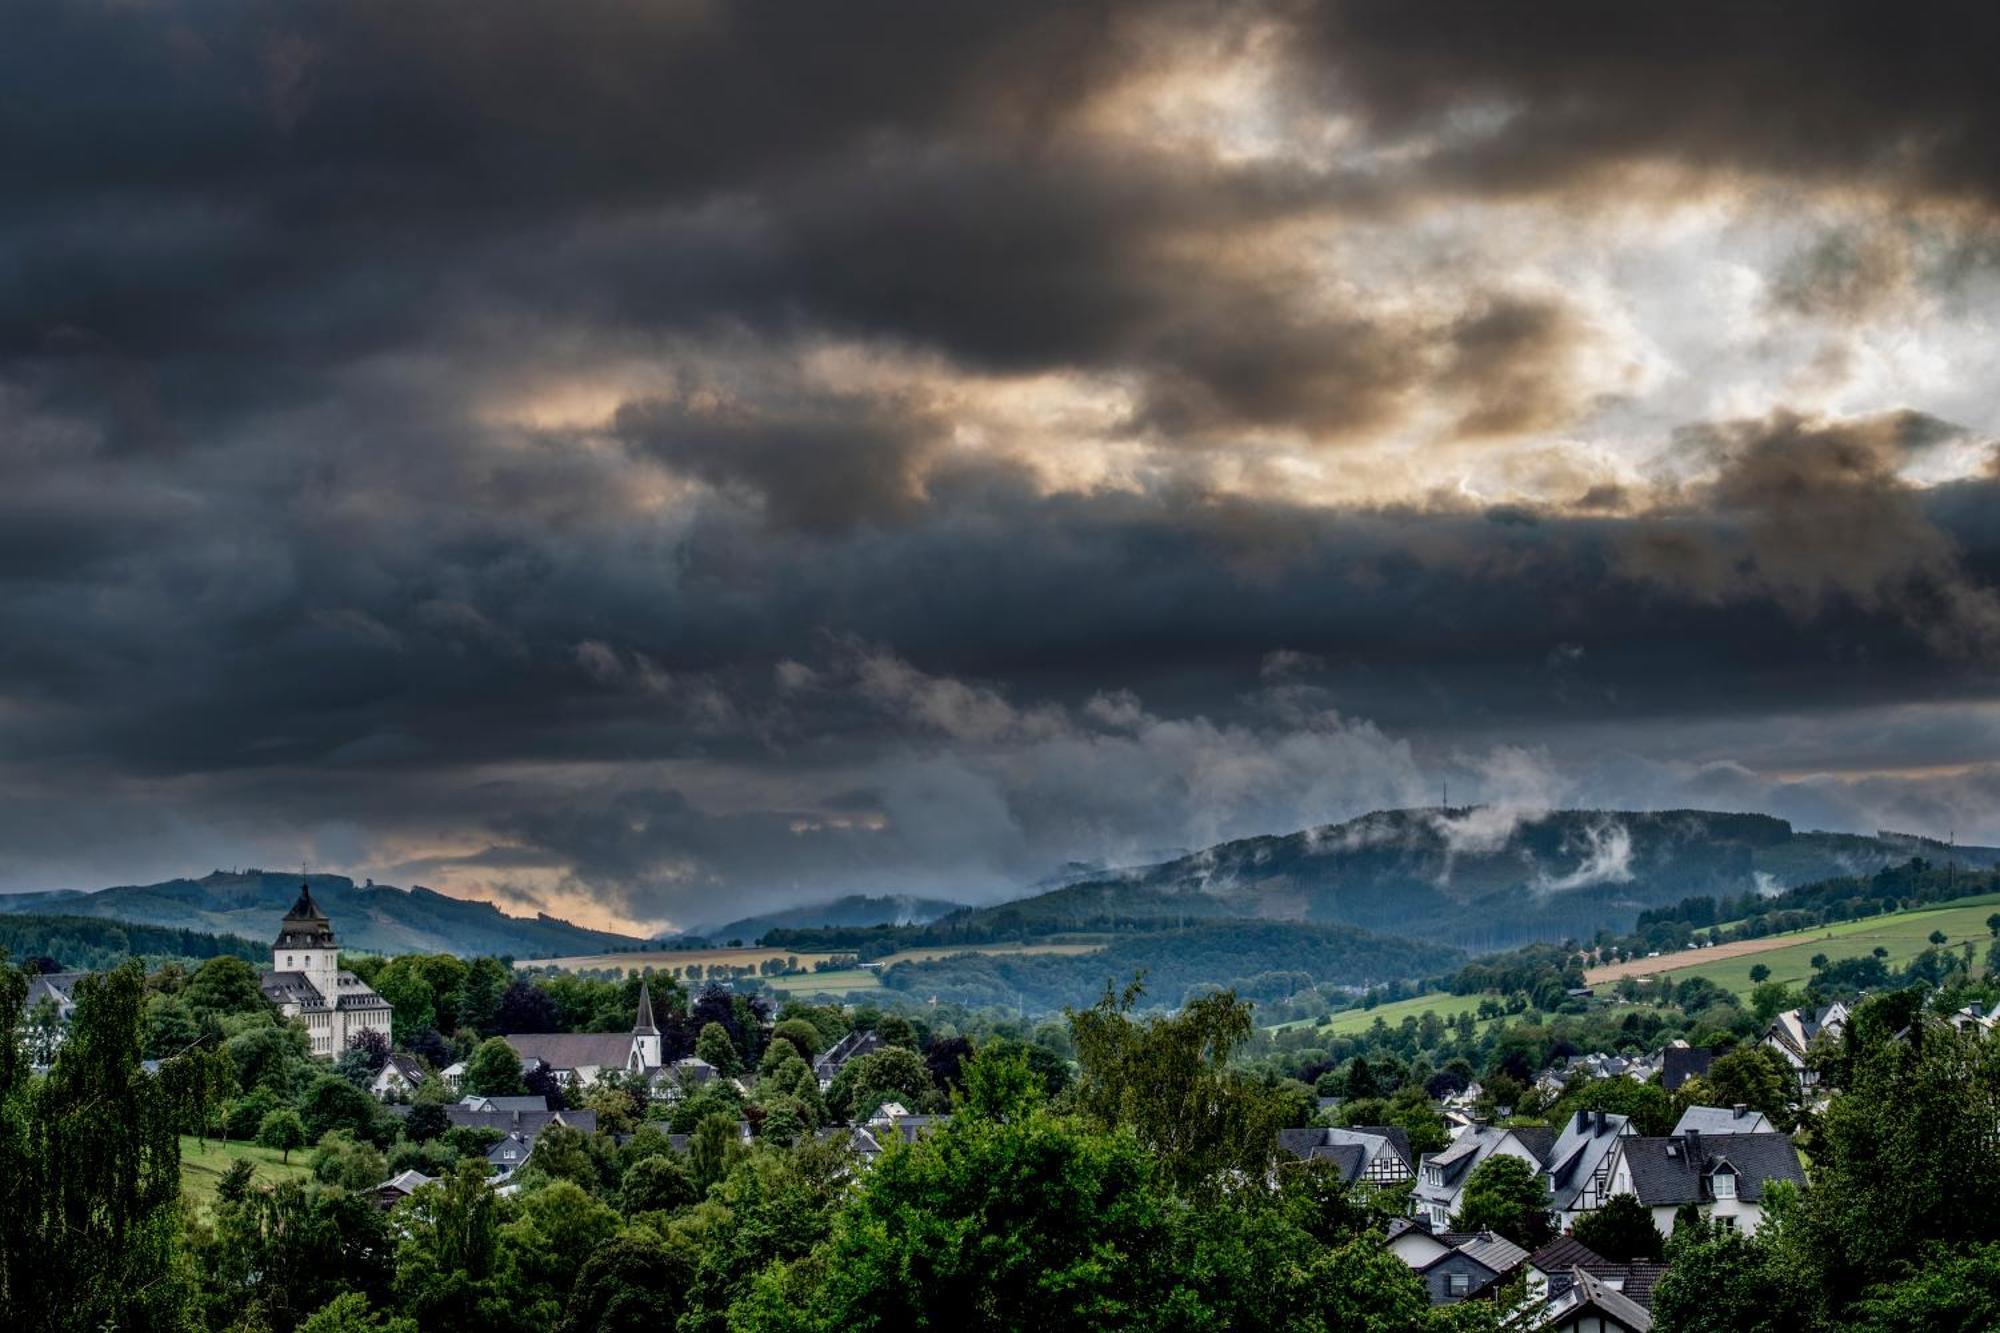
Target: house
pixel 306 982
pixel 526 1123
pixel 1471 1265
pixel 399 1076
pixel 1683 1062
pixel 399 1187
pixel 1550 1273
pixel 1722 1175
pixel 1793 1033
pixel 1579 1165
pixel 890 1124
pixel 1372 1154
pixel 510 1154
pixel 1592 1305
pixel 58 988
pixel 682 1077
pixel 452 1073
pixel 1737 1119
pixel 530 1102
pixel 1441 1176
pixel 1412 1242
pixel 849 1048
pixel 1974 1019
pixel 579 1059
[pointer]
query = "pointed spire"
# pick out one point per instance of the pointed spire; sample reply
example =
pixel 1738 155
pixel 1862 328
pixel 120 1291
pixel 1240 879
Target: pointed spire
pixel 643 1026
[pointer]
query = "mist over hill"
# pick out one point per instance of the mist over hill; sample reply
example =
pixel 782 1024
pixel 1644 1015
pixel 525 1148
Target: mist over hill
pixel 375 917
pixel 1474 877
pixel 852 910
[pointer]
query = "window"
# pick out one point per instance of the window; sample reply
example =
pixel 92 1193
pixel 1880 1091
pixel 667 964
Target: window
pixel 1725 1184
pixel 1458 1284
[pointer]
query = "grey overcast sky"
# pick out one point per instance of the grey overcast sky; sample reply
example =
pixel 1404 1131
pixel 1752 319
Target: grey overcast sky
pixel 654 459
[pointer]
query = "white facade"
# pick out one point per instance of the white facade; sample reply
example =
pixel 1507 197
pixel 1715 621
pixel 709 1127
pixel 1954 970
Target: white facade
pixel 306 983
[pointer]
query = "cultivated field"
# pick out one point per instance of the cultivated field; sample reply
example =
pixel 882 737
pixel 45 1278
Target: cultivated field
pixel 1903 934
pixel 202 1168
pixel 839 981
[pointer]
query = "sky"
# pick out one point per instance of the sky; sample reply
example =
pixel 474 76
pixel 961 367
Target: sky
pixel 655 460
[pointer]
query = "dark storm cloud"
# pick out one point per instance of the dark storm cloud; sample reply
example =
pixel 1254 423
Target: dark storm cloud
pixel 1532 96
pixel 273 565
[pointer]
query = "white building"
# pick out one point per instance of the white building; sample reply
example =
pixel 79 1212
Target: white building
pixel 1722 1175
pixel 306 983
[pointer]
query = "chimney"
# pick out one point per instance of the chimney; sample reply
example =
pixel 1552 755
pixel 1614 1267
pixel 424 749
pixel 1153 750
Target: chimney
pixel 1583 1121
pixel 1600 1122
pixel 1694 1146
pixel 1740 1110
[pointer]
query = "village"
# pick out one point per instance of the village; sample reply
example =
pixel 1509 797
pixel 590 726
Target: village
pixel 525 1100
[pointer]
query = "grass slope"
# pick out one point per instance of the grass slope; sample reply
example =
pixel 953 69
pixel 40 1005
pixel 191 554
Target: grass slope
pixel 202 1168
pixel 1903 934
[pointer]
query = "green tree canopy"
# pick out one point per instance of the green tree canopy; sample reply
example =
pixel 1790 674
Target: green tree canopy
pixel 1508 1197
pixel 494 1071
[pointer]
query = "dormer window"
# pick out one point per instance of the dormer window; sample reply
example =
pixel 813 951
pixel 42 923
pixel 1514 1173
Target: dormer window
pixel 1725 1184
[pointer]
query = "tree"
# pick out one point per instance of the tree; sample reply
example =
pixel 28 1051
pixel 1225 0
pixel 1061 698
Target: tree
pixel 89 1168
pixel 340 1160
pixel 659 1183
pixel 714 1046
pixel 1993 925
pixel 1622 1228
pixel 715 1145
pixel 1759 974
pixel 426 1121
pixel 283 1130
pixel 632 1285
pixel 1508 1197
pixel 893 1073
pixel 1938 938
pixel 332 1103
pixel 1169 1080
pixel 349 1313
pixel 802 1035
pixel 553 1231
pixel 562 1153
pixel 1818 962
pixel 494 1071
pixel 226 985
pixel 448 1251
pixel 1754 1075
pixel 1948 1291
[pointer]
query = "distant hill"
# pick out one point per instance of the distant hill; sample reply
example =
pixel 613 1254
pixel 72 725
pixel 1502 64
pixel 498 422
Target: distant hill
pixel 853 910
pixel 1476 878
pixel 373 917
pixel 89 944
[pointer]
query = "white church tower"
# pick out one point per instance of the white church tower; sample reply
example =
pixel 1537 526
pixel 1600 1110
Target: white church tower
pixel 305 944
pixel 306 983
pixel 645 1036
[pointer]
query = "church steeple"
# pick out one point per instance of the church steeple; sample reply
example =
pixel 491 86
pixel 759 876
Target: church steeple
pixel 645 1036
pixel 305 926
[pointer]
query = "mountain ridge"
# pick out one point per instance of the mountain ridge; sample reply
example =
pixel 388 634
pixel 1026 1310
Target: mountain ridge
pixel 1478 877
pixel 378 918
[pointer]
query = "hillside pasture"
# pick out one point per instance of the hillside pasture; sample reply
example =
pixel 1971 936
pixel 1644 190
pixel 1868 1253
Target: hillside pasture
pixel 202 1167
pixel 1789 956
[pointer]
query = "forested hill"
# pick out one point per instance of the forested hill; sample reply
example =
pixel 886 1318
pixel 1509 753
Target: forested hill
pixel 372 917
pixel 89 944
pixel 855 910
pixel 1471 877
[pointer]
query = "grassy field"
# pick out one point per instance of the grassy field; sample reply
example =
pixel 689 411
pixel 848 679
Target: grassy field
pixel 201 1169
pixel 1903 934
pixel 838 982
pixel 1350 1021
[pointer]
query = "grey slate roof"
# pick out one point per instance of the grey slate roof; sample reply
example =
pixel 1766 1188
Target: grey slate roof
pixel 1586 1141
pixel 526 1103
pixel 527 1123
pixel 1672 1171
pixel 1566 1252
pixel 850 1047
pixel 1399 1139
pixel 1707 1120
pixel 1684 1063
pixel 1498 1253
pixel 1590 1292
pixel 574 1050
